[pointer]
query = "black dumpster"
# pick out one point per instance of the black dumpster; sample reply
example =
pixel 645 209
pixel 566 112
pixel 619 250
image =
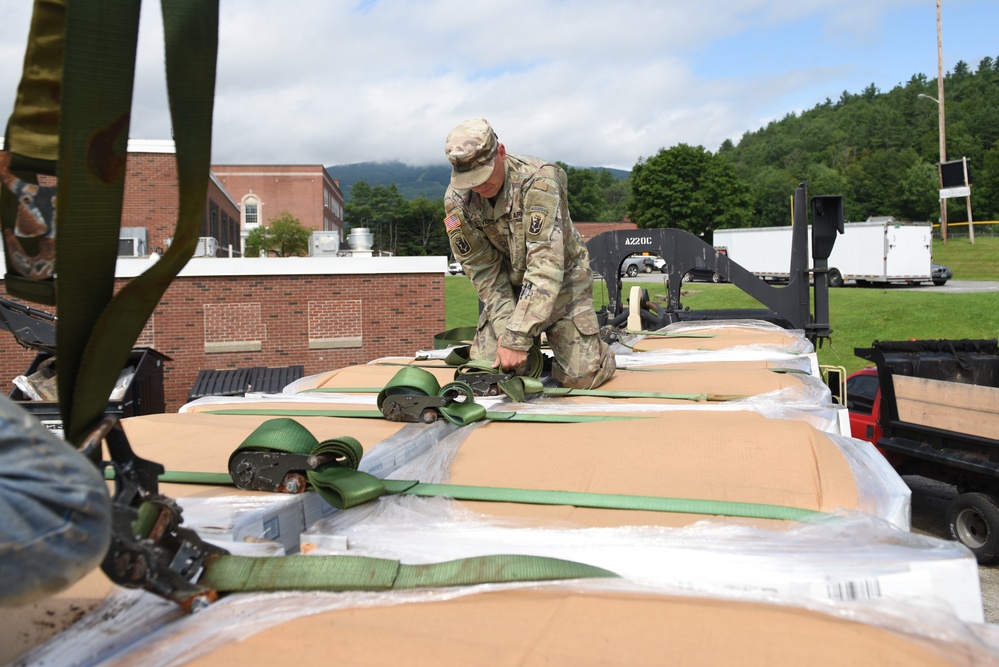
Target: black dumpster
pixel 141 394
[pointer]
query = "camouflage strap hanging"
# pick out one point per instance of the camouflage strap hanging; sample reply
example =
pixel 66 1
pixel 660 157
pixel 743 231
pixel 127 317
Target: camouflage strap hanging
pixel 71 119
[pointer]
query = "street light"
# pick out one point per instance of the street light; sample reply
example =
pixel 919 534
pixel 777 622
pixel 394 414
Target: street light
pixel 929 97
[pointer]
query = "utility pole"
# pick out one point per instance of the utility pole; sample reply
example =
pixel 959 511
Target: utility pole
pixel 943 140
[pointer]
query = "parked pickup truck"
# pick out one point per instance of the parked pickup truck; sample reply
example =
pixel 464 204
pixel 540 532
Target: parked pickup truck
pixel 932 408
pixel 636 264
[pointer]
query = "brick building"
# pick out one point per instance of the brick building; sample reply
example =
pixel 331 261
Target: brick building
pixel 221 313
pixel 590 229
pixel 149 209
pixel 264 192
pixel 323 313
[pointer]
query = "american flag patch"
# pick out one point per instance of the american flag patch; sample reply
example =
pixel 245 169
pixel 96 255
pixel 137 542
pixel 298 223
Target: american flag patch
pixel 452 222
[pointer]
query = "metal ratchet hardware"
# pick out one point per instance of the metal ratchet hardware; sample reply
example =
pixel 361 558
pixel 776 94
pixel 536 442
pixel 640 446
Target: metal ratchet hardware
pixel 282 472
pixel 149 549
pixel 413 408
pixel 485 384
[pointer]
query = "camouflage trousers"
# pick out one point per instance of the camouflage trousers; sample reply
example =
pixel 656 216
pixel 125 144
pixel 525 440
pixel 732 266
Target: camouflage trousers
pixel 582 359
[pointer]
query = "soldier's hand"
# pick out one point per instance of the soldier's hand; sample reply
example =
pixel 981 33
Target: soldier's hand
pixel 508 360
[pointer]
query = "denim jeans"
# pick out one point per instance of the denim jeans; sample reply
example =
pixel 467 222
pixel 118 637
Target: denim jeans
pixel 55 510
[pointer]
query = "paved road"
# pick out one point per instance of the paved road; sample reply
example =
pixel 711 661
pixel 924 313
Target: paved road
pixel 952 286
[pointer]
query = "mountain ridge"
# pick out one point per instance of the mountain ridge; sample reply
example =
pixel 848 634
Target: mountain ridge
pixel 428 181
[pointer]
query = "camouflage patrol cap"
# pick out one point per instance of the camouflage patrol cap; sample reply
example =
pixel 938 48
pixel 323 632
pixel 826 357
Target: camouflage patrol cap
pixel 471 147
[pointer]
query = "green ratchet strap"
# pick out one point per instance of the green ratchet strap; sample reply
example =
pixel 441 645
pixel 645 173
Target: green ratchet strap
pixel 339 481
pixel 342 485
pixel 547 497
pixel 228 574
pixel 493 415
pixel 458 404
pixel 460 407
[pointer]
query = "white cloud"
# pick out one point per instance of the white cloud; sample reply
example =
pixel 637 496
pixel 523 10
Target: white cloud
pixel 585 82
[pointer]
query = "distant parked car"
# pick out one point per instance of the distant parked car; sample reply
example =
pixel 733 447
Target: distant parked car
pixel 454 268
pixel 632 266
pixel 698 273
pixel 702 274
pixel 941 274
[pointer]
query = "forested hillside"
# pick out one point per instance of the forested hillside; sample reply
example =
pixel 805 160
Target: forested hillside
pixel 412 182
pixel 879 150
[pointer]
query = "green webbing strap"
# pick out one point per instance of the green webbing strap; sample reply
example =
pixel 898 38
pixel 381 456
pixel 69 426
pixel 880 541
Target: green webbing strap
pixel 96 333
pixel 83 55
pixel 228 574
pixel 543 497
pixel 602 500
pixel 454 336
pixel 668 334
pixel 342 485
pixel 611 393
pixel 498 415
pixel 338 481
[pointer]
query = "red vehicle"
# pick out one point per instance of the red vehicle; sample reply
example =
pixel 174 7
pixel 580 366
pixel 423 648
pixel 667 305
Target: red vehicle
pixel 863 400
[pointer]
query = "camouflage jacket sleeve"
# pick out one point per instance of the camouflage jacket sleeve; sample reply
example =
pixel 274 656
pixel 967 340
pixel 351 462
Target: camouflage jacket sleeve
pixel 542 220
pixel 482 262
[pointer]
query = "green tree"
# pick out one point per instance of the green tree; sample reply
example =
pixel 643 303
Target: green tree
pixel 688 188
pixel 286 236
pixel 918 198
pixel 421 230
pixel 586 198
pixel 283 236
pixel 258 242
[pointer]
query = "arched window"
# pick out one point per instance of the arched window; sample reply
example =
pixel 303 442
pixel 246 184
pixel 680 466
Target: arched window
pixel 251 212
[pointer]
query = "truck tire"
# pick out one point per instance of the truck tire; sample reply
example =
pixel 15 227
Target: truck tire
pixel 632 271
pixel 939 283
pixel 974 521
pixel 835 278
pixel 715 278
pixel 647 268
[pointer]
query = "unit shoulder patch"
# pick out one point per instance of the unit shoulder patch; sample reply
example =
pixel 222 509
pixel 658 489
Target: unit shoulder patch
pixel 460 244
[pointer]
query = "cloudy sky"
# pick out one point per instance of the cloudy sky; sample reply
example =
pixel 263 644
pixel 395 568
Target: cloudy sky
pixel 589 83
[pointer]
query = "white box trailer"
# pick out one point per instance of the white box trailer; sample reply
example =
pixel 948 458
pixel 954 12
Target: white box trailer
pixel 877 251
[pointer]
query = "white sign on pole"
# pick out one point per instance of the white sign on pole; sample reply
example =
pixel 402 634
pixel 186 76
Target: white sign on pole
pixel 961 191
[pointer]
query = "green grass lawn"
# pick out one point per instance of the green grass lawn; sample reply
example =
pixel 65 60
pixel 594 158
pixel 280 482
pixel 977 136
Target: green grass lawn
pixel 970 262
pixel 857 316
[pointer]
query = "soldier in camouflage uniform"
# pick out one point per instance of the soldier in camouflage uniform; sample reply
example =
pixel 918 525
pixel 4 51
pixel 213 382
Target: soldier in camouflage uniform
pixel 507 218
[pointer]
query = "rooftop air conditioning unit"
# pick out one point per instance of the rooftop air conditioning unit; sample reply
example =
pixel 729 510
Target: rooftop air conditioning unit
pixel 207 247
